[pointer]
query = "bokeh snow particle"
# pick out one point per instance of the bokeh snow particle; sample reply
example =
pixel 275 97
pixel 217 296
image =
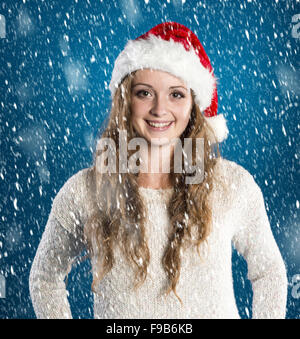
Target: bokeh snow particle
pixel 25 24
pixel 131 11
pixel 76 77
pixel 288 78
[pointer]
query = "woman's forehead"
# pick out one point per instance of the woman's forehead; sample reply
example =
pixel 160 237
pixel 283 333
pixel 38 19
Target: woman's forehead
pixel 157 76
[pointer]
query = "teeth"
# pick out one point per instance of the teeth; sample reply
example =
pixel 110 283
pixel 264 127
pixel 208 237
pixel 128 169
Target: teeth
pixel 155 124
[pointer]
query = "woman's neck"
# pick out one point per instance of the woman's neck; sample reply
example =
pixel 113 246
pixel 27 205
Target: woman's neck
pixel 154 180
pixel 155 170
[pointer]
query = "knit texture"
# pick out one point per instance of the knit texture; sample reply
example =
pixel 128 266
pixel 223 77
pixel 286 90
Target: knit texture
pixel 205 285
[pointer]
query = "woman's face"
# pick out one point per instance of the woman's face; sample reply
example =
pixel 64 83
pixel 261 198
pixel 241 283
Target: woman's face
pixel 160 105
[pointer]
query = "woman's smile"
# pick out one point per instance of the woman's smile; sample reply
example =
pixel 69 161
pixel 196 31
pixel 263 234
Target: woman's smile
pixel 159 126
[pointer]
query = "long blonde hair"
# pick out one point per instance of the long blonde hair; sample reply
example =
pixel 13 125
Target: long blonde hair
pixel 120 215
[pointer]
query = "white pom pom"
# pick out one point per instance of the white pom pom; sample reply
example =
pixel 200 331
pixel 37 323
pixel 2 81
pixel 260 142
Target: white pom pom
pixel 218 124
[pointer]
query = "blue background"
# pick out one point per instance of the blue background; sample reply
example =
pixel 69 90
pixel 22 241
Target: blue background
pixel 56 62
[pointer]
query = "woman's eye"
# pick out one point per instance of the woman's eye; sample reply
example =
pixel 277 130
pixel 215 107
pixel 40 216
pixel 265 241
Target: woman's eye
pixel 143 93
pixel 177 95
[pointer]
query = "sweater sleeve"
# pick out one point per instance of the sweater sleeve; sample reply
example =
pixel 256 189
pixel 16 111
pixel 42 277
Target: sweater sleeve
pixel 254 240
pixel 61 242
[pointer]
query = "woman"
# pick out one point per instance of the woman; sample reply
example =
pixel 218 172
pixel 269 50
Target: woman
pixel 160 241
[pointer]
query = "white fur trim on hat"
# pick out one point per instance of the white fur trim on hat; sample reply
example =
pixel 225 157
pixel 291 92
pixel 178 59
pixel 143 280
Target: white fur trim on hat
pixel 169 56
pixel 218 124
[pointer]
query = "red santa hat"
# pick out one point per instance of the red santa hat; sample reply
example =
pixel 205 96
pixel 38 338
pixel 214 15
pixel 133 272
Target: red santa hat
pixel 173 48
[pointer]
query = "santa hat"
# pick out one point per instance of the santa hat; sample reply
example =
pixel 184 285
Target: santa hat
pixel 173 48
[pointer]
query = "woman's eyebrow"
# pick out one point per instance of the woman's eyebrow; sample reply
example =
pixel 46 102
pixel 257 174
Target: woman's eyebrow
pixel 140 83
pixel 171 87
pixel 179 87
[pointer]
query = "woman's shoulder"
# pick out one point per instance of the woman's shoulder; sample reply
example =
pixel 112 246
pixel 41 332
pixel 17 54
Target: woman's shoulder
pixel 78 179
pixel 234 175
pixel 236 188
pixel 73 201
pixel 228 165
pixel 76 185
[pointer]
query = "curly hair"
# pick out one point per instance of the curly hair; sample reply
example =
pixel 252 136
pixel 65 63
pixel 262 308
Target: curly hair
pixel 121 215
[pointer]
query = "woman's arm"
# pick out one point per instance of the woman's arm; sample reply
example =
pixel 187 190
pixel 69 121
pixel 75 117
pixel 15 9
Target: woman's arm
pixel 61 242
pixel 255 241
pixel 51 264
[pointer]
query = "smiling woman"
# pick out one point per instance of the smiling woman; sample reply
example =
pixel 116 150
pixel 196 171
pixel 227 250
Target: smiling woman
pixel 150 234
pixel 161 108
pixel 160 103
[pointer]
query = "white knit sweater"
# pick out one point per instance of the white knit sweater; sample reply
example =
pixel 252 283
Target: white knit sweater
pixel 205 285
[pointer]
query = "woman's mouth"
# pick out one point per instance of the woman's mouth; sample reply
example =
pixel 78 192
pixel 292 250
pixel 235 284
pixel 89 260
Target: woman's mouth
pixel 159 126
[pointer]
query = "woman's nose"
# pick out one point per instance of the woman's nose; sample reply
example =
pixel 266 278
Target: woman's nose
pixel 160 106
